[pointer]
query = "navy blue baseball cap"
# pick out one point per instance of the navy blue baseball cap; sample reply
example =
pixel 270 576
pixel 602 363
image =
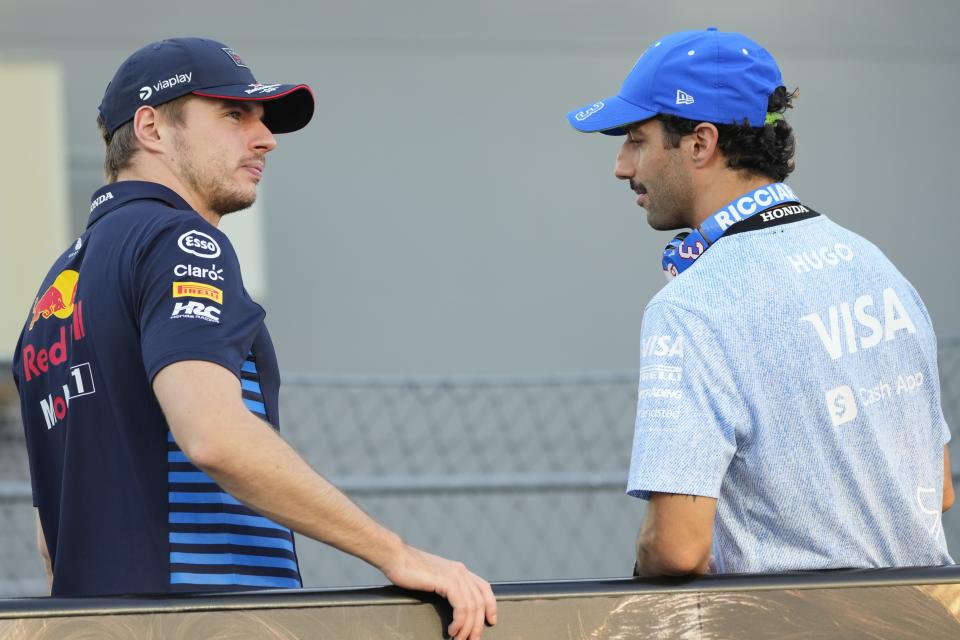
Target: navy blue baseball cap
pixel 710 75
pixel 165 70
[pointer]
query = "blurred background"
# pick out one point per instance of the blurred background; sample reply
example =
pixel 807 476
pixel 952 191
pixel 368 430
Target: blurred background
pixel 454 280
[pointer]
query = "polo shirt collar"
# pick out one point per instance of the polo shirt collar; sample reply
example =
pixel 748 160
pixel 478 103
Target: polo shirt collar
pixel 113 196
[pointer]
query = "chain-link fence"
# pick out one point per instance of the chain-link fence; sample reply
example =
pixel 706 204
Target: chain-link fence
pixel 20 568
pixel 522 478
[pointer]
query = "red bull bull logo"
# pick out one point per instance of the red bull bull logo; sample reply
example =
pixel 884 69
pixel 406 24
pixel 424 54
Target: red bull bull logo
pixel 57 300
pixel 38 360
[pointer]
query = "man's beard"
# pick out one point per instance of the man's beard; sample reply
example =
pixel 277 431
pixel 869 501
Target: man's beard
pixel 223 201
pixel 218 194
pixel 670 204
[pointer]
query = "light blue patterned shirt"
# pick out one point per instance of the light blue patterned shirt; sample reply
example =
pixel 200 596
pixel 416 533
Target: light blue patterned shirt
pixel 791 373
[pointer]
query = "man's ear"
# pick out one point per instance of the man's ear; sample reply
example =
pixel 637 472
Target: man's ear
pixel 703 144
pixel 145 128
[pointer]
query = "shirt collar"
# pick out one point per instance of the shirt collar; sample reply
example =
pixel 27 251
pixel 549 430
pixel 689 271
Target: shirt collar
pixel 112 196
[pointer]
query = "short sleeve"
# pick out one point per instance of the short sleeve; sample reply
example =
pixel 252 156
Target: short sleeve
pixel 688 407
pixel 190 299
pixel 929 338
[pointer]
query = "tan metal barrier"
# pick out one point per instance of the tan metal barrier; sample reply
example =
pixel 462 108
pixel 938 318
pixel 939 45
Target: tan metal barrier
pixel 886 603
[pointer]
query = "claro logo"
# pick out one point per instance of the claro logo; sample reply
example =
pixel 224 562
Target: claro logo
pixel 199 244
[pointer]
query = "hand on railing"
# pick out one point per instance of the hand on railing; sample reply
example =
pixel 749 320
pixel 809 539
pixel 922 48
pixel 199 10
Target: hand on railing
pixel 470 595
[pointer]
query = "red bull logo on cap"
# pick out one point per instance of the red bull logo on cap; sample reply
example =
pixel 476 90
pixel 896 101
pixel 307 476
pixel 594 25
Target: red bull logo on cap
pixel 57 300
pixel 237 60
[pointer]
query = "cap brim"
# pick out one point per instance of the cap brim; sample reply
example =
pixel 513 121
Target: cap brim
pixel 286 108
pixel 609 116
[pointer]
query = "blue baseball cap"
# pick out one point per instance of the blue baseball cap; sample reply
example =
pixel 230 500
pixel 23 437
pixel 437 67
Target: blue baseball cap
pixel 711 76
pixel 165 70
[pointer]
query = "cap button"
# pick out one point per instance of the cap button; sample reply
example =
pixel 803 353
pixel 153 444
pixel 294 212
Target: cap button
pixel 711 28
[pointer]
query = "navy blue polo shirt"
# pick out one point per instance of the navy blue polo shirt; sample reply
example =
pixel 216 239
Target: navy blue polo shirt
pixel 149 283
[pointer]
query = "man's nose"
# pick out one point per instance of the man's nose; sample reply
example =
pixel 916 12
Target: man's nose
pixel 623 170
pixel 264 142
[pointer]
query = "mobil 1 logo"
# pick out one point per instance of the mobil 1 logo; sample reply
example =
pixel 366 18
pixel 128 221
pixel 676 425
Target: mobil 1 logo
pixel 79 383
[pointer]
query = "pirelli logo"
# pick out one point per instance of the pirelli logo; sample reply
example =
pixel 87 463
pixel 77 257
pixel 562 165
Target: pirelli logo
pixel 197 290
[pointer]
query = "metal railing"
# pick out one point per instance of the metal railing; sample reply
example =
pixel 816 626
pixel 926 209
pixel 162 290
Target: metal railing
pixel 918 602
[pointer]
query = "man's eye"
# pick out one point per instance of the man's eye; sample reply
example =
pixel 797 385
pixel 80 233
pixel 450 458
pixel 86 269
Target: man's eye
pixel 236 115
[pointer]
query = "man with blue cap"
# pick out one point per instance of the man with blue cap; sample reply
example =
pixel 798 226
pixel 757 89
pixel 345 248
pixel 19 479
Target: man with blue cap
pixel 788 413
pixel 148 380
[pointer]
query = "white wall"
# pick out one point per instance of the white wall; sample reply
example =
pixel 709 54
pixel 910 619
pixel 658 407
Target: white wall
pixel 34 219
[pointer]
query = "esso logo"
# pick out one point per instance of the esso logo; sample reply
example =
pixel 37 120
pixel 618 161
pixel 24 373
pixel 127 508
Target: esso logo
pixel 199 244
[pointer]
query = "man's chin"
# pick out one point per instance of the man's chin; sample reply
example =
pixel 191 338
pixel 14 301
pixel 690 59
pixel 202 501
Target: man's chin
pixel 658 223
pixel 230 205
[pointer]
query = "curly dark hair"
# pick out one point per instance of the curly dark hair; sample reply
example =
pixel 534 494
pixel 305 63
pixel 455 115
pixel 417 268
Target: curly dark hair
pixel 766 150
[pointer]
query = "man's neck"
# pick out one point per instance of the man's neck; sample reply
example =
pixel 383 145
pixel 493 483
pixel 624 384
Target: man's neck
pixel 170 181
pixel 721 190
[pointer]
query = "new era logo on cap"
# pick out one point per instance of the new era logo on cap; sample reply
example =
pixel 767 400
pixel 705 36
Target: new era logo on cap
pixel 695 61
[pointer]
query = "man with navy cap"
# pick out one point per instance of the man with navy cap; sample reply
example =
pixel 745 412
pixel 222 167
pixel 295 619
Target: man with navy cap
pixel 788 413
pixel 147 377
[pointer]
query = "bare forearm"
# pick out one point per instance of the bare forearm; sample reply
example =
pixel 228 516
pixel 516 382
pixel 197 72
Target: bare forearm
pixel 261 470
pixel 248 459
pixel 647 564
pixel 676 535
pixel 947 480
pixel 44 553
pixel 656 558
pixel 48 571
